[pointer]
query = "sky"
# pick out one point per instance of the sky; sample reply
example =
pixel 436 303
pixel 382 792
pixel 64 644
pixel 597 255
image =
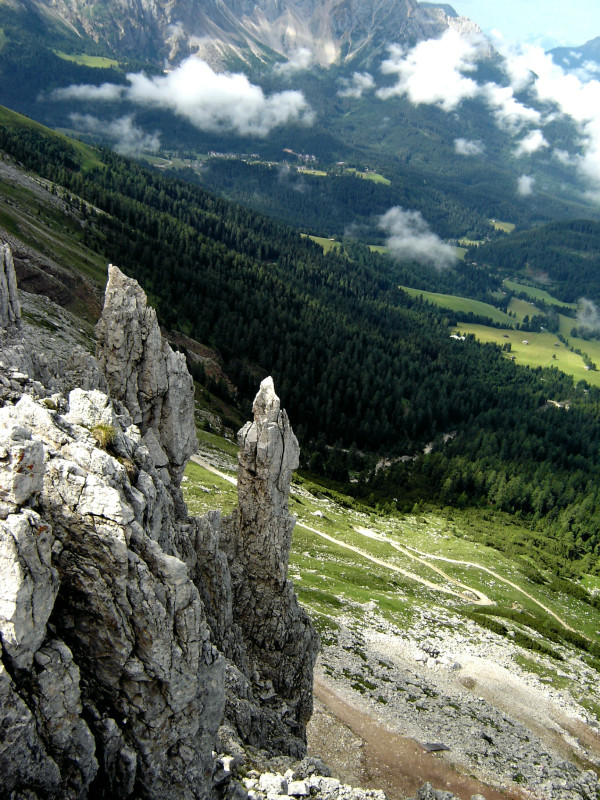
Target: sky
pixel 551 23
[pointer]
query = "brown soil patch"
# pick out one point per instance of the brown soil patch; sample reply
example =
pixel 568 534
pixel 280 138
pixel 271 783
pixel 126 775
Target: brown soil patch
pixel 362 752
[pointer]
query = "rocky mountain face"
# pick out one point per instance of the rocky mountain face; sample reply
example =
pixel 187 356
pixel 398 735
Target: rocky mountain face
pixel 136 640
pixel 268 29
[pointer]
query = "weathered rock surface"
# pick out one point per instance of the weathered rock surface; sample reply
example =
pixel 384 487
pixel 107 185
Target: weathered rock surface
pixel 146 375
pixel 10 308
pixel 131 633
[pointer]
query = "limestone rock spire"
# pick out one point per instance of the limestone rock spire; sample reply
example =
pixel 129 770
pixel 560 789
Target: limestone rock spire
pixel 145 374
pixel 10 308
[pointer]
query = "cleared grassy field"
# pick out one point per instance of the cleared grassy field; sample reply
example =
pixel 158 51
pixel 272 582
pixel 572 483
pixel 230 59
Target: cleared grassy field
pixel 326 244
pixel 97 62
pixel 369 176
pixel 536 294
pixel 308 171
pixel 539 351
pixel 522 308
pixel 464 304
pixel 507 227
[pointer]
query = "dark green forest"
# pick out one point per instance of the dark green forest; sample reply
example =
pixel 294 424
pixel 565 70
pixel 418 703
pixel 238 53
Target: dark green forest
pixel 363 369
pixel 564 256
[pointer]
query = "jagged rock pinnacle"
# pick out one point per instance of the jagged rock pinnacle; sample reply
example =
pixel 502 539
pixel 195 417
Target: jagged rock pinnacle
pixel 145 374
pixel 10 308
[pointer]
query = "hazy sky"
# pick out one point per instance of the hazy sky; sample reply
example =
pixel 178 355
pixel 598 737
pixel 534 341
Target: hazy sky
pixel 547 22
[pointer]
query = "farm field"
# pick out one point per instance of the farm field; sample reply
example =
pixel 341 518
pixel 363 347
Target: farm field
pixel 539 351
pixel 536 294
pixel 464 304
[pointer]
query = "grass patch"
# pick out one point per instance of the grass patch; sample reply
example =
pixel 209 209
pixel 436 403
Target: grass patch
pixel 326 244
pixel 462 304
pixel 541 350
pixel 535 293
pixel 97 62
pixel 307 171
pixel 505 227
pixel 369 176
pixel 204 491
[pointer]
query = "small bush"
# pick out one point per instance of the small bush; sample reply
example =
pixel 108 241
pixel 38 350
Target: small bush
pixel 104 434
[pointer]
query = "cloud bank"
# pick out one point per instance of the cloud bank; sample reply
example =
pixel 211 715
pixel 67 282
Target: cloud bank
pixel 130 140
pixel 210 101
pixel 442 72
pixel 410 237
pixel 433 71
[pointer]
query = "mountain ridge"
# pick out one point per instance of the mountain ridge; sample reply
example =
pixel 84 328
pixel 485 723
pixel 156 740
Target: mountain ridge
pixel 267 31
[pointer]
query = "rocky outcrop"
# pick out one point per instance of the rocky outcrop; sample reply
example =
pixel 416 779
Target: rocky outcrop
pixel 136 640
pixel 146 375
pixel 280 641
pixel 340 29
pixel 10 308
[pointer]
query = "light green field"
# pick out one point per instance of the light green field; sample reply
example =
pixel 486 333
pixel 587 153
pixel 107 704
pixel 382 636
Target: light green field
pixel 522 308
pixel 464 304
pixel 369 176
pixel 326 244
pixel 308 171
pixel 378 248
pixel 470 242
pixel 98 62
pixel 536 294
pixel 507 227
pixel 539 352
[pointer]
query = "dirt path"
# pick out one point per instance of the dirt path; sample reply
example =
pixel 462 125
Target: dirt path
pixel 471 596
pixel 380 758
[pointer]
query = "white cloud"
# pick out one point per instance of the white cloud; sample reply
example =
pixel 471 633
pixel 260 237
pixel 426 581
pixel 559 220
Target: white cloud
pixel 525 185
pixel 509 112
pixel 210 101
pixel 588 315
pixel 433 71
pixel 130 139
pixel 105 93
pixel 531 143
pixel 466 147
pixel 410 237
pixel 361 82
pixel 300 60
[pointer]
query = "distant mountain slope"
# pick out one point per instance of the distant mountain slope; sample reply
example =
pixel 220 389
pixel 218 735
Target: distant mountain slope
pixel 240 29
pixel 576 57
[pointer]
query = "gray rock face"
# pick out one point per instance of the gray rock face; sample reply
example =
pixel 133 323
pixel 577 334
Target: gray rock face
pixel 145 374
pixel 281 644
pixel 10 308
pixel 340 28
pixel 133 637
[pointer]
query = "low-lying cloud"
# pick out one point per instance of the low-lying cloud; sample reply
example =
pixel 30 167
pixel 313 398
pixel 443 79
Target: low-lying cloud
pixel 531 143
pixel 588 315
pixel 433 71
pixel 129 139
pixel 525 185
pixel 361 82
pixel 300 60
pixel 410 237
pixel 466 147
pixel 442 72
pixel 210 101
